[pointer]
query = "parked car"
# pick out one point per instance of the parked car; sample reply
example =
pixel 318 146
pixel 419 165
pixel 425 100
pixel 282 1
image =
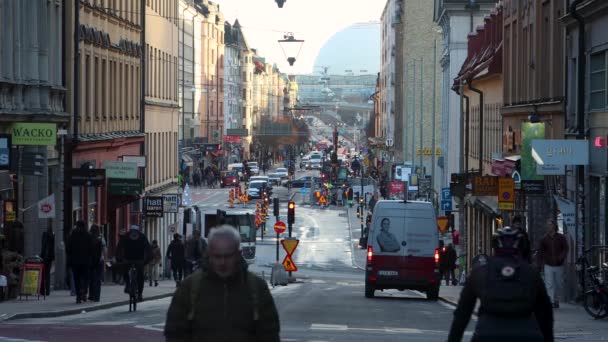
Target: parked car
pixel 403 248
pixel 229 178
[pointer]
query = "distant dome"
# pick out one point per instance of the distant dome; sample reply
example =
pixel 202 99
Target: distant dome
pixel 355 48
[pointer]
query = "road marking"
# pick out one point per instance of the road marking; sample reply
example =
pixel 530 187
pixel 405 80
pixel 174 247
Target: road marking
pixel 110 323
pixel 153 327
pixel 10 339
pixel 317 326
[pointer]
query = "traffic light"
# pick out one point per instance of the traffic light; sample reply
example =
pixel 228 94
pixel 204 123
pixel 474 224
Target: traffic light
pixel 291 212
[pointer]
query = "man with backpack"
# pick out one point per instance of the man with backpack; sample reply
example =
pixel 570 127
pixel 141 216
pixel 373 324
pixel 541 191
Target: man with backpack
pixel 514 303
pixel 222 301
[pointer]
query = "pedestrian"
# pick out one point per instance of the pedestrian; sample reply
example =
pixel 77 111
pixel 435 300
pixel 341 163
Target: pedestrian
pixel 236 305
pixel 47 253
pixel 196 247
pixel 553 251
pixel 78 251
pixel 154 263
pixel 450 265
pixel 98 260
pixel 442 259
pixel 526 252
pixel 372 202
pixel 176 254
pixel 340 197
pixel 514 305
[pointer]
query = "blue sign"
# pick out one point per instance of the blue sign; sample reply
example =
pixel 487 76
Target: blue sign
pixel 446 194
pixel 303 190
pixel 446 205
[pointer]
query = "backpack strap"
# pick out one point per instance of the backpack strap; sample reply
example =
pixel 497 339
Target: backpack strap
pixel 253 291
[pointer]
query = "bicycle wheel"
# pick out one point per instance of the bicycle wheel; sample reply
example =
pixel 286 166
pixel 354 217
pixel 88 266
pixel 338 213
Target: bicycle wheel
pixel 595 304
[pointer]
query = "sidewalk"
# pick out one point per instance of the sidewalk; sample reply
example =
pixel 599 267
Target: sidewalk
pixel 60 303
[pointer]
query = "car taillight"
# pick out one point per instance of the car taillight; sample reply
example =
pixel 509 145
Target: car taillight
pixel 370 254
pixel 436 255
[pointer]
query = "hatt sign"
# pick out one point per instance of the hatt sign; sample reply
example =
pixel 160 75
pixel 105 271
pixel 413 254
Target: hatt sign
pixel 153 206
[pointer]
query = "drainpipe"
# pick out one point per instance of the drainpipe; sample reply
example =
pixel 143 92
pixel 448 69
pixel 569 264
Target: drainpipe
pixel 480 124
pixel 580 119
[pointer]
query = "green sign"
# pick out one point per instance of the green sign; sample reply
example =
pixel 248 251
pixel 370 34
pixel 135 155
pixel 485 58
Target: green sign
pixel 529 132
pixel 125 187
pixel 37 134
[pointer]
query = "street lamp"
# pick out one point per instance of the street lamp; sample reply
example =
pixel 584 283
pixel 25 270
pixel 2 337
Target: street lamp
pixel 291 47
pixel 280 2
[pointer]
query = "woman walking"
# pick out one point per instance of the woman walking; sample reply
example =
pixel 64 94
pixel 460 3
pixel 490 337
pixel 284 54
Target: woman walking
pixel 154 264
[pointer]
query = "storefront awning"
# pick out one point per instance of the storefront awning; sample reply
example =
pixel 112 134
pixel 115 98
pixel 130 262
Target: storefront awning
pixel 489 204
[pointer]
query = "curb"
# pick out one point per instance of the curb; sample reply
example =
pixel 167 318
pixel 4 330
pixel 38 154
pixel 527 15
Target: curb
pixel 51 314
pixel 448 301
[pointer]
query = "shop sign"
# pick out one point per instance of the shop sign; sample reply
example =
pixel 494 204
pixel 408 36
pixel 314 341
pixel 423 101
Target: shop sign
pixel 234 139
pixel 10 211
pixel 530 131
pixel 153 206
pixel 5 152
pixel 396 187
pixel 139 160
pixel 171 202
pixel 88 177
pixel 533 187
pixel 485 186
pixel 506 193
pixel 118 169
pixel 125 187
pixel 36 134
pixel 551 170
pixel 560 152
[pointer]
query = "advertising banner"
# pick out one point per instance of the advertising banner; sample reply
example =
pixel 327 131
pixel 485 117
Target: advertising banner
pixel 36 134
pixel 530 131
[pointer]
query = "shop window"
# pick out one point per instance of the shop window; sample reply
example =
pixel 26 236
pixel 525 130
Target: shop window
pixel 92 205
pixel 597 99
pixel 76 204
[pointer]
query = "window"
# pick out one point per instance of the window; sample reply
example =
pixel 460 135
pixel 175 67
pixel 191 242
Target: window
pixel 87 87
pixel 597 99
pixel 96 89
pixel 104 85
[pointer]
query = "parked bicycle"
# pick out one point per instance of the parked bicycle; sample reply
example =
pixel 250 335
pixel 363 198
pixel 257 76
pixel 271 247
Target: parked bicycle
pixel 592 282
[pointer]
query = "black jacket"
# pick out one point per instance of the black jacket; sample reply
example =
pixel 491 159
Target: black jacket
pixel 134 246
pixel 176 252
pixel 47 251
pixel 535 325
pixel 79 248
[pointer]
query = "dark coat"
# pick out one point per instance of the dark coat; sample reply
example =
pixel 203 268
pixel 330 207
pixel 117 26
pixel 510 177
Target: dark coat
pixel 47 251
pixel 224 310
pixel 79 248
pixel 553 250
pixel 536 325
pixel 176 253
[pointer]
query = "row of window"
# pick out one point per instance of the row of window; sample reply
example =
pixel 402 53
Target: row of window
pixel 161 70
pixel 128 10
pixel 598 97
pixel 164 8
pixel 161 150
pixel 111 88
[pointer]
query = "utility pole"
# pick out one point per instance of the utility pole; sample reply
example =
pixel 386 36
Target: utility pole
pixel 421 112
pixel 414 117
pixel 434 114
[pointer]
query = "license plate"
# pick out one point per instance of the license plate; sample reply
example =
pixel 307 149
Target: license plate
pixel 388 273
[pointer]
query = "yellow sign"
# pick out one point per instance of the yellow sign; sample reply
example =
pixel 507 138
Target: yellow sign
pixel 289 265
pixel 322 200
pixel 506 193
pixel 438 152
pixel 442 224
pixel 290 245
pixel 31 279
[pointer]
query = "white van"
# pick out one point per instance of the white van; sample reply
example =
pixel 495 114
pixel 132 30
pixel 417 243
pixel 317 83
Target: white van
pixel 403 248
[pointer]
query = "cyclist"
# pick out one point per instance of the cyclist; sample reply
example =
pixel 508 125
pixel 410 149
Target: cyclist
pixel 514 303
pixel 134 249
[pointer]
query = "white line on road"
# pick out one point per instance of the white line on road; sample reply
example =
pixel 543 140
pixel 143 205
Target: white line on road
pixel 317 326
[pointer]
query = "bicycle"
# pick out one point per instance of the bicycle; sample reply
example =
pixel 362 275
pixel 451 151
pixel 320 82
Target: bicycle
pixel 132 288
pixel 595 299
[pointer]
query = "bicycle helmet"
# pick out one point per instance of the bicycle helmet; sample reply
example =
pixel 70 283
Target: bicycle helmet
pixel 507 238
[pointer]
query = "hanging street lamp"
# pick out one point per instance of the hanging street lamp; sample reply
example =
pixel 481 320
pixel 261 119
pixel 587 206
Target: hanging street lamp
pixel 291 47
pixel 280 3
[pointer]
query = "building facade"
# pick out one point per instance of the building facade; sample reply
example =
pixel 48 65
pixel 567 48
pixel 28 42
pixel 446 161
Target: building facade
pixel 162 112
pixel 392 28
pixel 592 197
pixel 106 106
pixel 419 102
pixel 482 73
pixel 212 50
pixel 457 18
pixel 32 96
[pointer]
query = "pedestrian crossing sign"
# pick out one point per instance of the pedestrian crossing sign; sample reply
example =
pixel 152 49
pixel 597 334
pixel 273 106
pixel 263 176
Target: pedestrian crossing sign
pixel 289 265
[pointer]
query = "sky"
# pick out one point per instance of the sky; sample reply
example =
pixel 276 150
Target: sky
pixel 315 21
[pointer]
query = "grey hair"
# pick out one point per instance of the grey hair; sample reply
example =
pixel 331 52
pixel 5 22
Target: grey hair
pixel 227 232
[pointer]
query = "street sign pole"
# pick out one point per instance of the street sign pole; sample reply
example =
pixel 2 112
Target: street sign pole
pixel 277 248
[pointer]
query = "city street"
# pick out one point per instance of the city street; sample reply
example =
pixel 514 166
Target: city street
pixel 325 303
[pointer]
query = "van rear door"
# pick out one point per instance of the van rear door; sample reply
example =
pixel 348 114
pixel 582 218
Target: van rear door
pixel 422 239
pixel 388 241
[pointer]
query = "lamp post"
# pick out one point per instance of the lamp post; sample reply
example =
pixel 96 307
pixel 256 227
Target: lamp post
pixel 291 47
